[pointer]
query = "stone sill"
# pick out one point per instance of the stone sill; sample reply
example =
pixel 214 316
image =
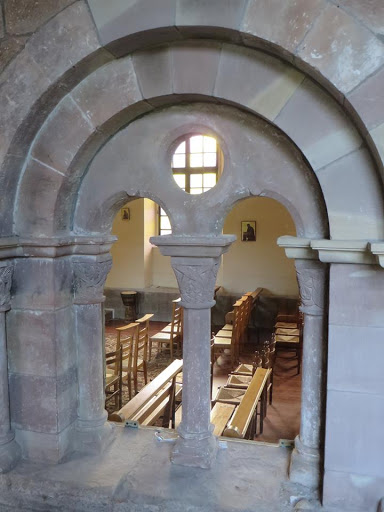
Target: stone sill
pixel 134 473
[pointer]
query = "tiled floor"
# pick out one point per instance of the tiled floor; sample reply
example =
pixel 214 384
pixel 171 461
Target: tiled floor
pixel 283 416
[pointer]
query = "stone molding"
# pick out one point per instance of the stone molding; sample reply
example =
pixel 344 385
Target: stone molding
pixel 311 276
pixel 89 280
pixel 6 274
pixel 15 247
pixel 331 251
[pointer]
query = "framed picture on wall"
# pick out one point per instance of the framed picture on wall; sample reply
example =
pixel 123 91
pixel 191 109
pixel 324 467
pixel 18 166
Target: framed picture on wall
pixel 248 231
pixel 125 214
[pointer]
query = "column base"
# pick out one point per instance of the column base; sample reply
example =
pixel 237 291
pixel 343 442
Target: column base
pixel 10 454
pixel 304 467
pixel 195 452
pixel 93 437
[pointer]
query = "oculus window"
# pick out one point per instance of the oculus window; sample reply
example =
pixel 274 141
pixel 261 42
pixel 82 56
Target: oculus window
pixel 196 165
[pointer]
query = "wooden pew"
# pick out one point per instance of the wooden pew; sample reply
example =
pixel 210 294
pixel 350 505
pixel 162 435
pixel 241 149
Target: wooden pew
pixel 220 415
pixel 155 399
pixel 245 412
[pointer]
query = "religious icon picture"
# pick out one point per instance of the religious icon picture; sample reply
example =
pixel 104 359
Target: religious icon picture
pixel 125 214
pixel 248 231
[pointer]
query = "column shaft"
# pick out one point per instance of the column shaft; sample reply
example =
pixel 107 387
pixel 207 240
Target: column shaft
pixel 91 410
pixel 196 372
pixel 312 381
pixel 9 450
pixel 5 424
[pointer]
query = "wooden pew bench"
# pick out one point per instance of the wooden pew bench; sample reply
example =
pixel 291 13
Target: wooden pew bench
pixel 244 419
pixel 156 399
pixel 220 415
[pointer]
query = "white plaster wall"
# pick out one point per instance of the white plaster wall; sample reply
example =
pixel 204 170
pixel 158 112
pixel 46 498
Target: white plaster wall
pixel 137 264
pixel 262 263
pixel 128 269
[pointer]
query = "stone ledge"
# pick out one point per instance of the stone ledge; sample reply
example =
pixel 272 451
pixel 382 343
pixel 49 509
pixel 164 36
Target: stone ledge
pixel 135 473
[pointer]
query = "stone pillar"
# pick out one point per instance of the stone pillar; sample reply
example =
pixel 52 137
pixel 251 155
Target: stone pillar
pixel 94 432
pixel 195 261
pixel 305 461
pixel 9 449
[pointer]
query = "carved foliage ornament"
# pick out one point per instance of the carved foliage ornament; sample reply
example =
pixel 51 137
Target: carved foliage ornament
pixel 196 282
pixel 311 284
pixel 89 280
pixel 6 274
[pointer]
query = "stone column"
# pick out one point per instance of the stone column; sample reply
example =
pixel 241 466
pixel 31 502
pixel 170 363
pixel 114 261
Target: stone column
pixel 195 261
pixel 94 432
pixel 9 449
pixel 305 461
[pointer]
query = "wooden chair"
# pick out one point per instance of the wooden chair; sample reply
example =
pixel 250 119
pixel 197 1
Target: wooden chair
pixel 141 349
pixel 175 333
pixel 126 341
pixel 288 337
pixel 113 379
pixel 230 342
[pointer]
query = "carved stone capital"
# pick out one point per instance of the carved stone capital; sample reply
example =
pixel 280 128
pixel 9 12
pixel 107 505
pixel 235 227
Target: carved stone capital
pixel 311 276
pixel 6 274
pixel 196 281
pixel 89 280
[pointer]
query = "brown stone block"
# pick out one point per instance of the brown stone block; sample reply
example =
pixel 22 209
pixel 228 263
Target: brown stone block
pixel 122 19
pixel 108 91
pixel 25 16
pixel 8 182
pixel 368 100
pixel 194 67
pixel 350 448
pixel 67 39
pixel 62 136
pixel 212 13
pixel 359 212
pixel 22 83
pixel 351 491
pixel 37 198
pixel 44 284
pixel 318 125
pixel 255 80
pixel 33 403
pixel 46 448
pixel 281 22
pixel 40 343
pixel 9 48
pixel 154 71
pixel 356 295
pixel 341 49
pixel 369 12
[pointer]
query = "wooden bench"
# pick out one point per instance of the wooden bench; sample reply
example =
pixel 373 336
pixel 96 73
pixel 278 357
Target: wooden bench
pixel 243 420
pixel 156 399
pixel 220 415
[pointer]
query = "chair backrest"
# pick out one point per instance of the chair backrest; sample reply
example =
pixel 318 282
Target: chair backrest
pixel 127 340
pixel 177 319
pixel 142 338
pixel 114 360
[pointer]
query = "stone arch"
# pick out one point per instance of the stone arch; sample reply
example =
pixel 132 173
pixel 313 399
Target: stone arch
pixel 235 24
pixel 314 121
pixel 271 165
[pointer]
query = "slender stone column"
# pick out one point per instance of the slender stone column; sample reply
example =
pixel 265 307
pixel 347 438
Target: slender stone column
pixel 305 461
pixel 195 262
pixel 9 449
pixel 94 432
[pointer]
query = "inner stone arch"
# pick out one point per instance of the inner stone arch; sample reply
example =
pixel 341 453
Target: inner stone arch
pixel 259 160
